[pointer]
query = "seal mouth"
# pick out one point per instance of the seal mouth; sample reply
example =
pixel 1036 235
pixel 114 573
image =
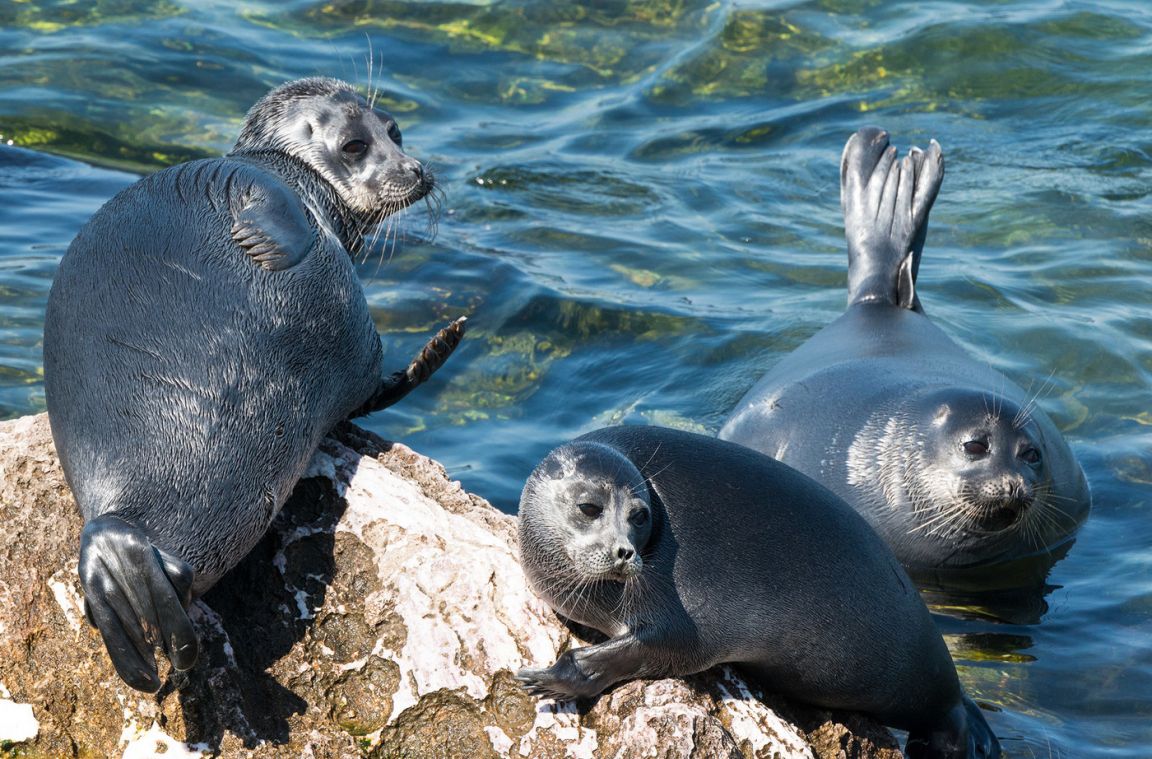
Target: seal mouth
pixel 997 517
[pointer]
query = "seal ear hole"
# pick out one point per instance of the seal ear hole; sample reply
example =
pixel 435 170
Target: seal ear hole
pixel 975 447
pixel 590 510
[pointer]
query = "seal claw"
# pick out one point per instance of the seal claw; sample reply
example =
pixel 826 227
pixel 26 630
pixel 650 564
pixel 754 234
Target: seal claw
pixel 136 596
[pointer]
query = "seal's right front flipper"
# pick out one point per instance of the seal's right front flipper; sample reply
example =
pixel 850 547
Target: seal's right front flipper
pixel 270 224
pixel 886 201
pixel 431 357
pixel 136 595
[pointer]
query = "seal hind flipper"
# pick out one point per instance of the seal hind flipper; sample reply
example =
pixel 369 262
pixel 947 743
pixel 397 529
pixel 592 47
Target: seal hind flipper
pixel 136 596
pixel 271 225
pixel 886 201
pixel 430 358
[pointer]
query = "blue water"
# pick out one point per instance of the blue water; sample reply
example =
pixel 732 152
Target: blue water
pixel 642 216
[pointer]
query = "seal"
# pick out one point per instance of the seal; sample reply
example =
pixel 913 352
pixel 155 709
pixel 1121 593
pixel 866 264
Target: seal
pixel 689 552
pixel 204 331
pixel 953 464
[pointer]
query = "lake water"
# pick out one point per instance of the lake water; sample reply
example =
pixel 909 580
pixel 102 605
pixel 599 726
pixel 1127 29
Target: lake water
pixel 642 216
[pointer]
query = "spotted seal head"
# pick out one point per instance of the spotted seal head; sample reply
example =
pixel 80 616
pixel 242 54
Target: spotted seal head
pixel 955 465
pixel 688 551
pixel 204 331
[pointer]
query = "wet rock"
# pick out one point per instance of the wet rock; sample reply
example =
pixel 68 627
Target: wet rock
pixel 383 615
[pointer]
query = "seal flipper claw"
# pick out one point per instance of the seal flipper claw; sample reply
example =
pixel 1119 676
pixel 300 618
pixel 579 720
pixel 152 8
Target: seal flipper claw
pixel 136 595
pixel 272 227
pixel 886 203
pixel 430 358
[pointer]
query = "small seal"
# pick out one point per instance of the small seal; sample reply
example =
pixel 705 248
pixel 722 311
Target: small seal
pixel 954 465
pixel 204 331
pixel 689 552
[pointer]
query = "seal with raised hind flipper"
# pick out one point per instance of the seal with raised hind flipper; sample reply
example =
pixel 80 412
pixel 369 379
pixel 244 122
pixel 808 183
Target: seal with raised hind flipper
pixel 688 551
pixel 204 331
pixel 953 464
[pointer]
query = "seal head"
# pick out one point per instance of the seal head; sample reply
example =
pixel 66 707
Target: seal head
pixel 355 147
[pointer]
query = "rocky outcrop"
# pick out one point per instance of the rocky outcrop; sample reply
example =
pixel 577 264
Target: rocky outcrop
pixel 383 615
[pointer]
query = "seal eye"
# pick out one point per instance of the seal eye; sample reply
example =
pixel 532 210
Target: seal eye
pixel 590 510
pixel 355 148
pixel 1031 456
pixel 975 448
pixel 639 518
pixel 394 134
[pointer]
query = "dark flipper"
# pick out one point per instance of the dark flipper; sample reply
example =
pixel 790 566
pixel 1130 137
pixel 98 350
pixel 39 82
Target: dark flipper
pixel 271 225
pixel 431 357
pixel 589 671
pixel 136 595
pixel 964 734
pixel 886 201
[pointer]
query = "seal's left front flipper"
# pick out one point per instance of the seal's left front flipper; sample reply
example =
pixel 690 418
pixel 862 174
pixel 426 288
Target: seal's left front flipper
pixel 271 225
pixel 431 357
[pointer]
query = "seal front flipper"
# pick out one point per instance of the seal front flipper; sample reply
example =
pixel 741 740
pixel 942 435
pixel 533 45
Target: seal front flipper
pixel 886 201
pixel 963 734
pixel 136 595
pixel 589 671
pixel 271 225
pixel 431 357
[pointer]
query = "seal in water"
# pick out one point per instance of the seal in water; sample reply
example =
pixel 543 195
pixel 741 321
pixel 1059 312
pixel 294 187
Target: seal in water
pixel 954 465
pixel 204 331
pixel 689 552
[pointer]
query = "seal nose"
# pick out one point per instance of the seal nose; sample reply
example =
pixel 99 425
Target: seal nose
pixel 415 168
pixel 624 554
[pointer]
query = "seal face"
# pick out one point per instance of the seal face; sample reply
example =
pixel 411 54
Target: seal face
pixel 954 465
pixel 204 331
pixel 690 552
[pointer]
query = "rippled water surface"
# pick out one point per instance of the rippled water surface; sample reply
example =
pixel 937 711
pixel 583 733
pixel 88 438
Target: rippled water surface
pixel 642 216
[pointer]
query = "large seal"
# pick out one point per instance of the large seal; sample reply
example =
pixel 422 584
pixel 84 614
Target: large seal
pixel 690 551
pixel 953 464
pixel 205 329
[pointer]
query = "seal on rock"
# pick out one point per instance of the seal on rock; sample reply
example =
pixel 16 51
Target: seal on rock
pixel 204 331
pixel 954 465
pixel 689 552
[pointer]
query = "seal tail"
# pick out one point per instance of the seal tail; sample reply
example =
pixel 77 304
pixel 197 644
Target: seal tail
pixel 886 201
pixel 136 595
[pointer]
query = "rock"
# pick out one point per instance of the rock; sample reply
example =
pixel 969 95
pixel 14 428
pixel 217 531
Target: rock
pixel 383 615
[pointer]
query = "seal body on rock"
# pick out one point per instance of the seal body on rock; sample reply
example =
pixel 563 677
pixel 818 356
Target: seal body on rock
pixel 953 464
pixel 204 331
pixel 689 552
